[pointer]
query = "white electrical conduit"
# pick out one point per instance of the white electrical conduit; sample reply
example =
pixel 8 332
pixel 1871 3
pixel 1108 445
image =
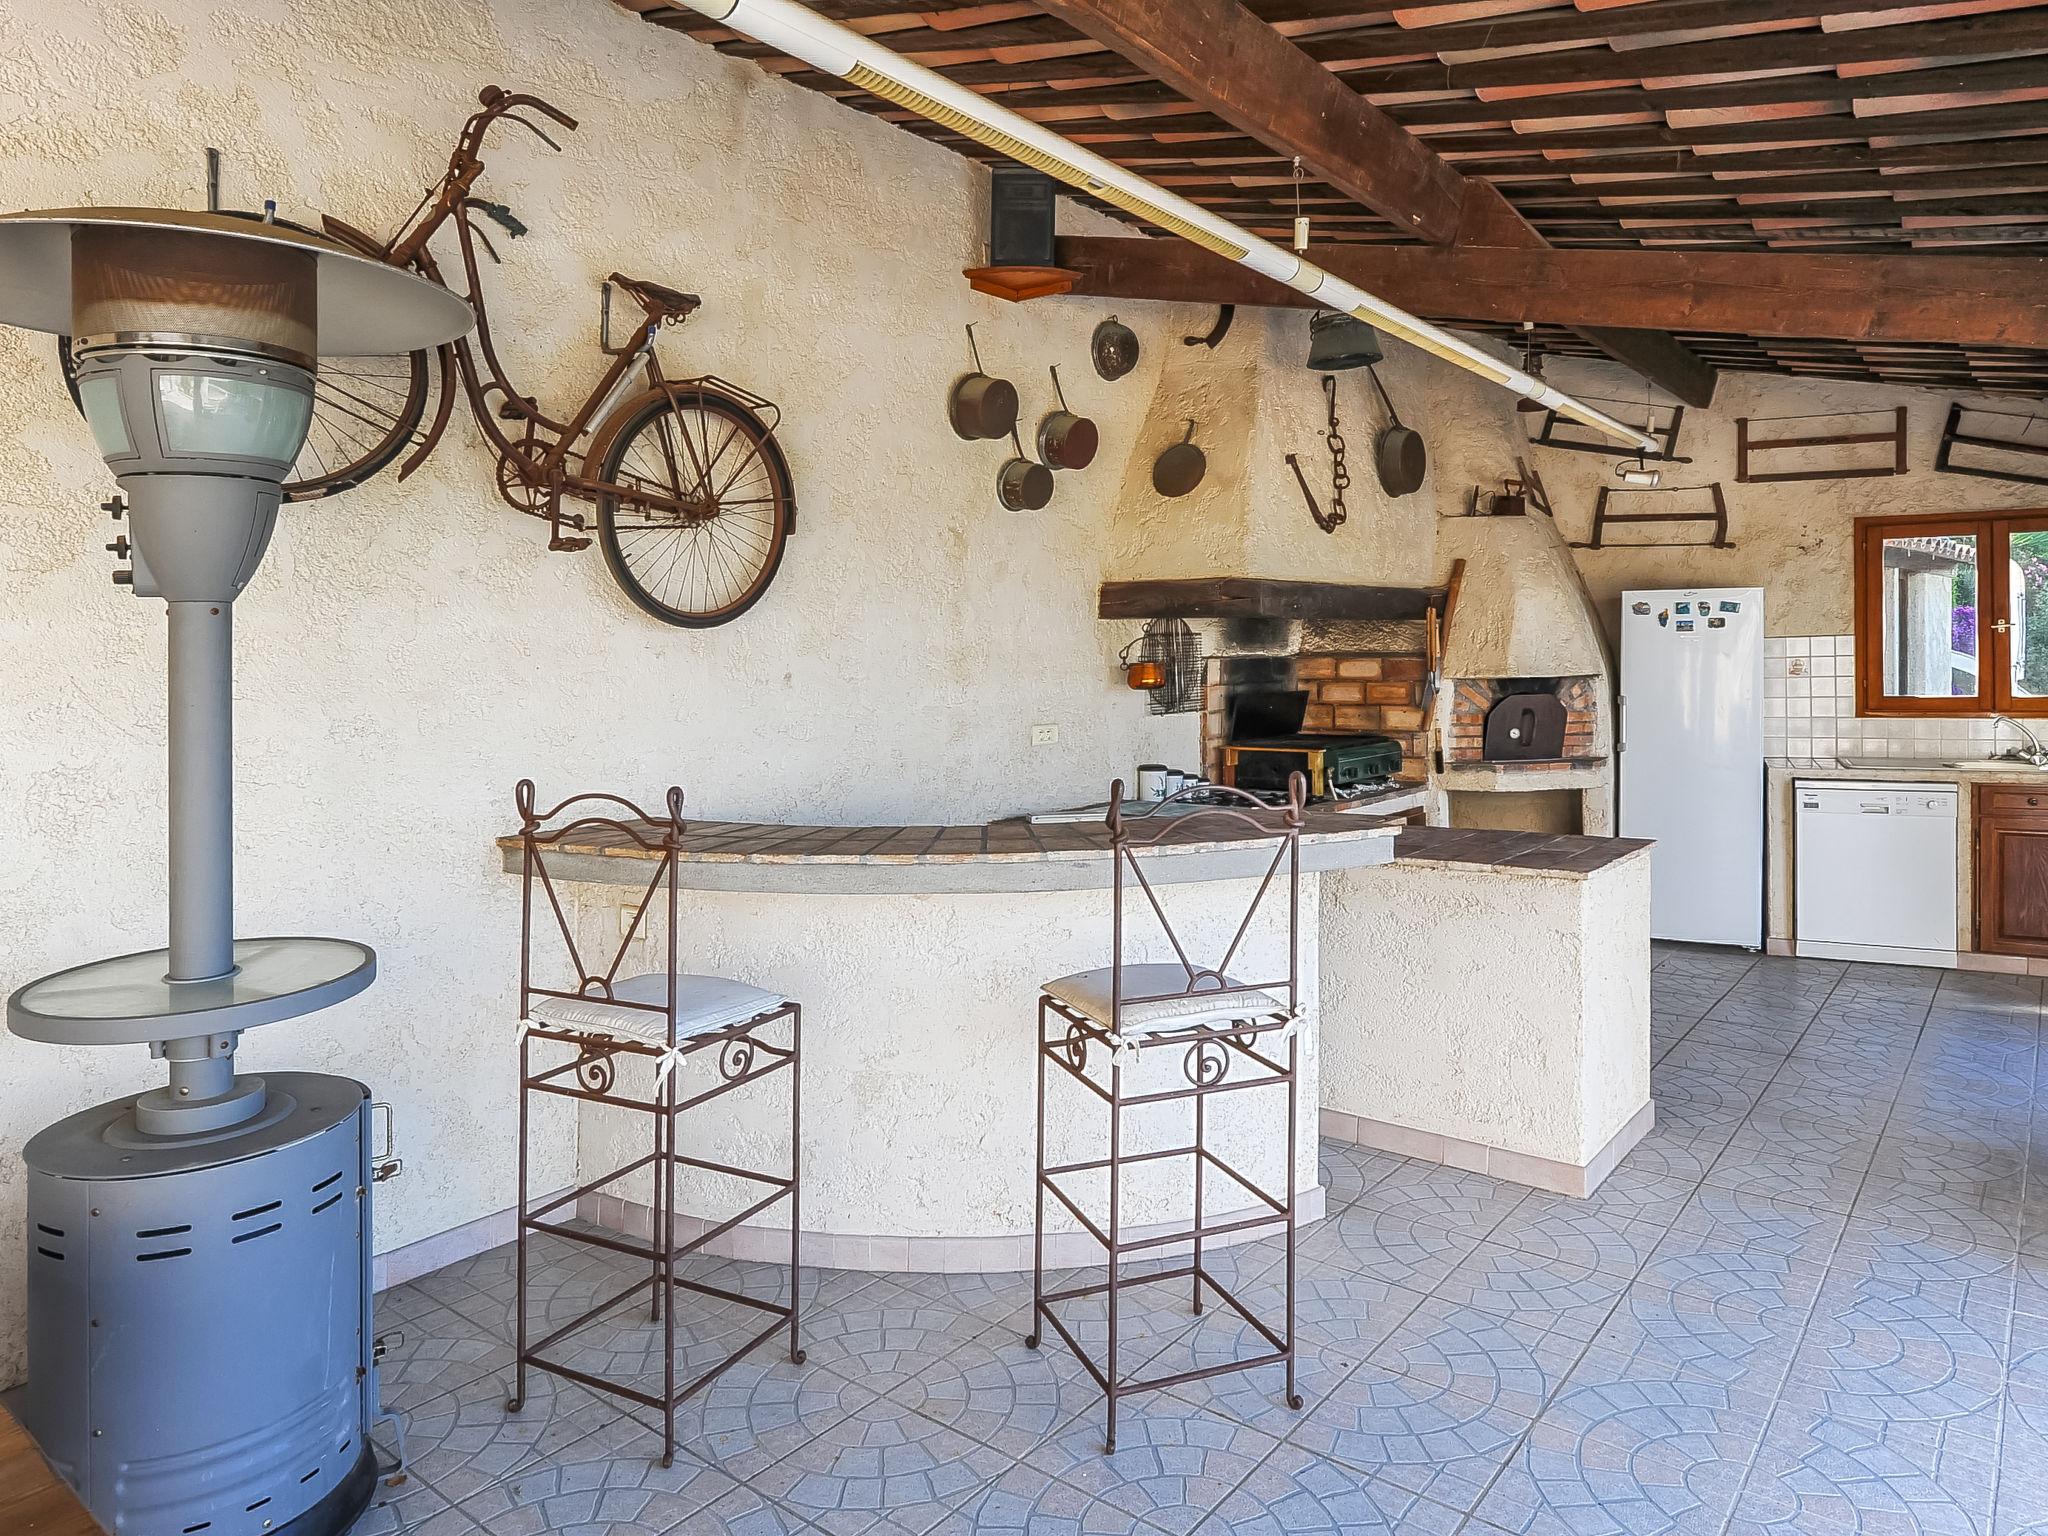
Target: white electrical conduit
pixel 803 34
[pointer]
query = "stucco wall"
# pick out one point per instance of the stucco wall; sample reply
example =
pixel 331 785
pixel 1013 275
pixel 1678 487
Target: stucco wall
pixel 1793 539
pixel 1507 1011
pixel 409 651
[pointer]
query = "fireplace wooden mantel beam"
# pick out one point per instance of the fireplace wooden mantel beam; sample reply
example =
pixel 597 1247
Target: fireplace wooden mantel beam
pixel 1975 300
pixel 1250 597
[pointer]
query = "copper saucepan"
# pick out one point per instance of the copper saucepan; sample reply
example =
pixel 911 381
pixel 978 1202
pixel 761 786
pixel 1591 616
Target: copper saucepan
pixel 981 407
pixel 1065 440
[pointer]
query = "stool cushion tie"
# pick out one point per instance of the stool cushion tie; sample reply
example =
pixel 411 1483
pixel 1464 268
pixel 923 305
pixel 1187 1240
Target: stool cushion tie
pixel 704 1005
pixel 1087 992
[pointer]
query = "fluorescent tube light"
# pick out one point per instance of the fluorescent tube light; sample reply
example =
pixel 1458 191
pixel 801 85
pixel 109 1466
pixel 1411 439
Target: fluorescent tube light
pixel 803 34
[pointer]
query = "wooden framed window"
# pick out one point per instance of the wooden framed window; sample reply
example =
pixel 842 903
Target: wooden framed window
pixel 1952 615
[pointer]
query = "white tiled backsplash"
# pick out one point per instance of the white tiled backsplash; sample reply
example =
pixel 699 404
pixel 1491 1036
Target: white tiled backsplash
pixel 1810 710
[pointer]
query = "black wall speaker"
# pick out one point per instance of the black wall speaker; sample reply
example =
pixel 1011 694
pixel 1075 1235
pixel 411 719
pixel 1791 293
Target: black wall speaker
pixel 1020 217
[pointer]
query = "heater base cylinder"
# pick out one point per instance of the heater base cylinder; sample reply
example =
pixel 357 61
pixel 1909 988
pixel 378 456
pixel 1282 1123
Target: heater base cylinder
pixel 199 1315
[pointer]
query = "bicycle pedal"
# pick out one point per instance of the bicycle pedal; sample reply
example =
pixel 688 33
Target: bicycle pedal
pixel 567 545
pixel 512 412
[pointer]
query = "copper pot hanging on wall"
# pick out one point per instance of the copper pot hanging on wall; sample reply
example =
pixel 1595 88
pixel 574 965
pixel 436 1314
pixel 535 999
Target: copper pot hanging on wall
pixel 1023 485
pixel 1065 440
pixel 981 407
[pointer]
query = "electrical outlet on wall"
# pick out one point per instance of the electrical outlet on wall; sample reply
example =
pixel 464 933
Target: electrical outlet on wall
pixel 1044 735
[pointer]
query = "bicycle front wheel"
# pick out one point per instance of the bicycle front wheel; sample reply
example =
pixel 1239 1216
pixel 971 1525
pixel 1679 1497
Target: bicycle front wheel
pixel 711 452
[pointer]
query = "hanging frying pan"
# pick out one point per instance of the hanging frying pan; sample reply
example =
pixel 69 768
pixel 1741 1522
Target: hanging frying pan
pixel 1065 440
pixel 1399 454
pixel 981 407
pixel 1023 485
pixel 1180 468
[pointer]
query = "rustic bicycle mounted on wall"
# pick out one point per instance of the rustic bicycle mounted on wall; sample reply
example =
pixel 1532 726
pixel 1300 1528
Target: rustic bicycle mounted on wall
pixel 694 501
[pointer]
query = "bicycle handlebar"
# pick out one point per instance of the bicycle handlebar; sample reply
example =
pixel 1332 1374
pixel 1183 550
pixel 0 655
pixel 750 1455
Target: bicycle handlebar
pixel 498 103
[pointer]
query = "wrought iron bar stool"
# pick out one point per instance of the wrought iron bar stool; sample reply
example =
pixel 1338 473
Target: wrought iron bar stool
pixel 1217 1022
pixel 690 1028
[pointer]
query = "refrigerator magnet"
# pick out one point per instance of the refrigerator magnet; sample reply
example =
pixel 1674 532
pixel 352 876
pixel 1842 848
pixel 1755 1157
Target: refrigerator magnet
pixel 1685 626
pixel 1717 623
pixel 1640 609
pixel 1663 618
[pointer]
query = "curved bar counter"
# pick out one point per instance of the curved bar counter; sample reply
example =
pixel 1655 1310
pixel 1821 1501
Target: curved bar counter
pixel 917 954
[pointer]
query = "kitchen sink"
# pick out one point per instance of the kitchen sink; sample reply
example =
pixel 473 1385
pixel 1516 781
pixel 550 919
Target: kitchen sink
pixel 2002 764
pixel 1929 764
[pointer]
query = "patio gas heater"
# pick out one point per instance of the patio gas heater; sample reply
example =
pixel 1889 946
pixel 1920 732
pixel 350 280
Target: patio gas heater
pixel 199 1255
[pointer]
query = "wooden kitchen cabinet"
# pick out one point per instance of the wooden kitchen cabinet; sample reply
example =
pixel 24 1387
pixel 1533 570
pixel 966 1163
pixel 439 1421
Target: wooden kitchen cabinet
pixel 2011 874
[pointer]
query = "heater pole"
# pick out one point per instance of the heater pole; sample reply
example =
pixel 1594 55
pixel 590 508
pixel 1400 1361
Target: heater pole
pixel 202 791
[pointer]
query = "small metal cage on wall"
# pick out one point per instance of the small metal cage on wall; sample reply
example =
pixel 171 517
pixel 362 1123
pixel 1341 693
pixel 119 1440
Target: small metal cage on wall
pixel 1166 663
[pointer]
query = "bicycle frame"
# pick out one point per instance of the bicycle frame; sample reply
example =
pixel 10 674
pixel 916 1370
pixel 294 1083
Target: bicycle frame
pixel 543 454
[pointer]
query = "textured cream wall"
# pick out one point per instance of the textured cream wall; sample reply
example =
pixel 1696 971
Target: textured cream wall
pixel 1509 1010
pixel 409 651
pixel 1794 539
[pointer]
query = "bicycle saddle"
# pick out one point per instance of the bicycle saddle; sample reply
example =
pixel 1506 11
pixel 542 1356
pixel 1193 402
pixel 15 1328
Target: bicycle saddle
pixel 661 303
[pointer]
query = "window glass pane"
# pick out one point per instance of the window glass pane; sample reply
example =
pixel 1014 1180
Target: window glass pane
pixel 2027 557
pixel 1930 616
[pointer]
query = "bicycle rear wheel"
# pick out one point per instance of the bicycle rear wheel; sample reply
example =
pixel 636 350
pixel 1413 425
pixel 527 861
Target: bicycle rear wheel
pixel 701 447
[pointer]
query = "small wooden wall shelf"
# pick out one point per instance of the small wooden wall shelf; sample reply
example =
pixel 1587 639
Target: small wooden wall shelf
pixel 1747 447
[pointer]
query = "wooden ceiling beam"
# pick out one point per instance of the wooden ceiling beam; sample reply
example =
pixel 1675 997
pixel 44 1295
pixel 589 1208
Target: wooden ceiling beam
pixel 1234 65
pixel 1220 56
pixel 1927 297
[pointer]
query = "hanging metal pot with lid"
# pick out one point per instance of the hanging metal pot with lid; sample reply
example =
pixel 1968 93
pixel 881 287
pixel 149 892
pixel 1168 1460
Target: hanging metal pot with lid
pixel 1181 467
pixel 1065 440
pixel 981 407
pixel 1399 454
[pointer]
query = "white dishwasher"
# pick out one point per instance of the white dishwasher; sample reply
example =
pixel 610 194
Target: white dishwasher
pixel 1875 871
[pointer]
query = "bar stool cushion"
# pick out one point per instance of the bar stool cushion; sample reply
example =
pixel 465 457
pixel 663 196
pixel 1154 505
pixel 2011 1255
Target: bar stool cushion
pixel 704 1005
pixel 1087 992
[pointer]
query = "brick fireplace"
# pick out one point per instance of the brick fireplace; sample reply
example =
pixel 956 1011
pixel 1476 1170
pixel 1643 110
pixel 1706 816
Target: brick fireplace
pixel 1350 693
pixel 1470 700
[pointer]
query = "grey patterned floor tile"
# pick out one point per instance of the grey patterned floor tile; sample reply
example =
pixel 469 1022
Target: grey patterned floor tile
pixel 1676 1158
pixel 1451 1200
pixel 1516 1365
pixel 997 1391
pixel 431 1350
pixel 1028 1502
pixel 611 1484
pixel 1741 1343
pixel 1556 1297
pixel 1173 1464
pixel 1768 1033
pixel 465 1440
pixel 412 1509
pixel 1581 1236
pixel 1346 1172
pixel 1294 1493
pixel 1726 1241
pixel 1925 1234
pixel 2022 1501
pixel 1428 1440
pixel 1630 1193
pixel 1730 1066
pixel 1339 1318
pixel 1830 1476
pixel 1393 1248
pixel 1694 1100
pixel 1627 1459
pixel 883 1459
pixel 1926 1382
pixel 1811 1172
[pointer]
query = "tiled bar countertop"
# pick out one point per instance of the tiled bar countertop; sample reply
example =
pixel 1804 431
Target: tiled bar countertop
pixel 1006 855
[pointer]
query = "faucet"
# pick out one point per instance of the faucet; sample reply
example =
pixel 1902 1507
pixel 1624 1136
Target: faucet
pixel 2032 752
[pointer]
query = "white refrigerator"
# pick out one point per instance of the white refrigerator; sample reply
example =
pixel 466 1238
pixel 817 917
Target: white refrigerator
pixel 1692 757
